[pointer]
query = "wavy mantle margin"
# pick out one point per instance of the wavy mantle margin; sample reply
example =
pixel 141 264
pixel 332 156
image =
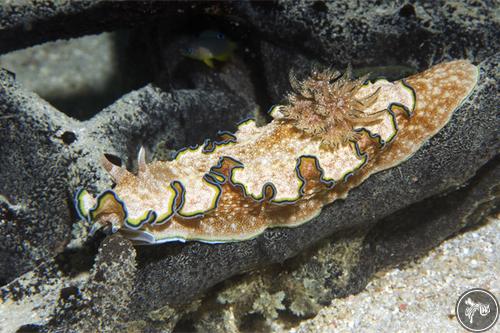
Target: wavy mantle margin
pixel 428 102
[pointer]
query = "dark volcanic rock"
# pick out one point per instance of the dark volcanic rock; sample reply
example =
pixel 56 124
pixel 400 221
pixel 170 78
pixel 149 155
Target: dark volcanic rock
pixel 418 228
pixel 442 165
pixel 42 21
pixel 102 303
pixel 378 33
pixel 343 264
pixel 451 183
pixel 36 212
pixel 48 155
pixel 422 226
pixel 337 32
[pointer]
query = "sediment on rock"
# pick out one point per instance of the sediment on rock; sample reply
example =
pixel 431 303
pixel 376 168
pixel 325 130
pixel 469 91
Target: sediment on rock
pixel 47 154
pixel 102 303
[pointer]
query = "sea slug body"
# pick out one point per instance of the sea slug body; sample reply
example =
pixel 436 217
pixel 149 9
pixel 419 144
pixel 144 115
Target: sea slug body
pixel 331 135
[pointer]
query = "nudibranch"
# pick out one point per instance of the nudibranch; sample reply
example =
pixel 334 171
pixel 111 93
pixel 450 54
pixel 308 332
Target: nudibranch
pixel 331 134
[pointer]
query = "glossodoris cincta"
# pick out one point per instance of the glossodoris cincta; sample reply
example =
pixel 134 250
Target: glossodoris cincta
pixel 332 133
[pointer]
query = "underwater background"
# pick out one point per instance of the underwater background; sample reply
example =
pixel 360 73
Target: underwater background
pixel 83 79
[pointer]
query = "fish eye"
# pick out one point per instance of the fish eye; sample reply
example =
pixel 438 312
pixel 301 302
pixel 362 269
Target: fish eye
pixel 189 50
pixel 220 35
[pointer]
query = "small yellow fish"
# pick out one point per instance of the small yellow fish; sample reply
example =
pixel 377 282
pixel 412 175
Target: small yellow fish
pixel 208 46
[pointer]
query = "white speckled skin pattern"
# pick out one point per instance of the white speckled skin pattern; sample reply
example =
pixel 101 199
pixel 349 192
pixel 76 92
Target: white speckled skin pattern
pixel 283 173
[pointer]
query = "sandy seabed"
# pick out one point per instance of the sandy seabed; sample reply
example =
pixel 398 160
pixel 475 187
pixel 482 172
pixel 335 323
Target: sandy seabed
pixel 421 296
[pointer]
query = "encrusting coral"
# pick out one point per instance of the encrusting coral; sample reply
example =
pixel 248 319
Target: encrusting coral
pixel 333 133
